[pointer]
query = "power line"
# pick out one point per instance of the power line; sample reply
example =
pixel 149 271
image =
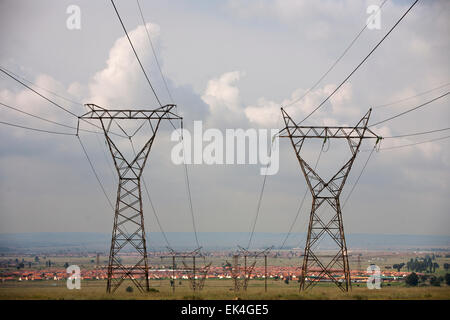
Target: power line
pixel 359 65
pixel 59 96
pixel 39 94
pixel 257 211
pixel 335 62
pixel 68 134
pixel 154 52
pixel 51 101
pixel 135 53
pixel 44 89
pixel 263 187
pixel 95 173
pixel 410 97
pixel 367 161
pixel 35 129
pixel 37 117
pixel 417 133
pixel 188 186
pixel 190 199
pixel 414 144
pixel 44 119
pixel 261 194
pixel 409 110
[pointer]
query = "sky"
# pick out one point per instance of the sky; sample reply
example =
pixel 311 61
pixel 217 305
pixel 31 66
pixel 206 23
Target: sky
pixel 230 64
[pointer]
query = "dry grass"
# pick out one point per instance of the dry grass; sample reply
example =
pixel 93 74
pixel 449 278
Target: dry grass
pixel 214 290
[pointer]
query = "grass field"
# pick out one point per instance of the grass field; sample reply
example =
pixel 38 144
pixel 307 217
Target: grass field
pixel 215 289
pixel 219 289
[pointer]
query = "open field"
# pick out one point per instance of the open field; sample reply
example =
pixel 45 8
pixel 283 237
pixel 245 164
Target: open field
pixel 383 259
pixel 215 289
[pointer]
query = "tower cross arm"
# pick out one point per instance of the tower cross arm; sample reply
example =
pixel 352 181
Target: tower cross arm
pixel 246 252
pixel 97 112
pixel 322 132
pixel 172 253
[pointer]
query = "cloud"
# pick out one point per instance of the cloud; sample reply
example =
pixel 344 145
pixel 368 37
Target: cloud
pixel 266 113
pixel 283 46
pixel 122 82
pixel 222 97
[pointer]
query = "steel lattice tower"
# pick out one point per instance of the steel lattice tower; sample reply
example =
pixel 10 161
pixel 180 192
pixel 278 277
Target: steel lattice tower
pixel 326 192
pixel 195 273
pixel 128 228
pixel 246 272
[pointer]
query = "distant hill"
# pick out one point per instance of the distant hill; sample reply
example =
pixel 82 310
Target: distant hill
pixel 54 242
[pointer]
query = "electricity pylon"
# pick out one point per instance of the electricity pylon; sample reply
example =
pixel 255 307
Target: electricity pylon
pixel 326 192
pixel 196 274
pixel 128 229
pixel 246 272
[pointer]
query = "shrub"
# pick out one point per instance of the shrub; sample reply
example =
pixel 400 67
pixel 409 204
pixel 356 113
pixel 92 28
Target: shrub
pixel 129 289
pixel 434 281
pixel 412 279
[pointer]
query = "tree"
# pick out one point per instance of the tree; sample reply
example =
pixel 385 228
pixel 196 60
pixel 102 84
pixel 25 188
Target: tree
pixel 447 279
pixel 434 281
pixel 398 266
pixel 430 264
pixel 66 265
pixel 423 278
pixel 435 266
pixel 129 289
pixel 412 279
pixel 409 264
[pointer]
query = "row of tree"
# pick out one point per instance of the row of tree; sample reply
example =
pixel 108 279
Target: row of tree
pixel 421 265
pixel 413 279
